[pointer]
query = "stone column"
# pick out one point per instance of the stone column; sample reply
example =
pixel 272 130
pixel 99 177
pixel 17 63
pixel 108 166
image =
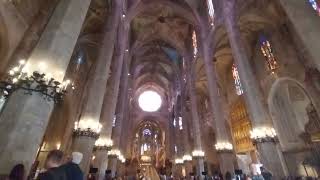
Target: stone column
pixel 253 97
pixel 25 117
pixel 177 138
pixel 187 156
pixel 306 24
pixel 172 138
pixel 195 116
pixel 116 134
pixel 111 96
pixel 185 132
pixel 97 87
pixel 223 144
pixel 84 142
pixel 113 165
pixel 176 133
pixel 102 160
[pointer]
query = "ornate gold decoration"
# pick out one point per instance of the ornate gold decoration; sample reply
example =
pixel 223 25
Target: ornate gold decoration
pixel 241 126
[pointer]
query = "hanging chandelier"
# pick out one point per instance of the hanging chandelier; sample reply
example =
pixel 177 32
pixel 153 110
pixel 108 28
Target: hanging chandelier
pixel 198 153
pixel 263 134
pixel 224 147
pixel 87 128
pixel 36 82
pixel 103 144
pixel 187 158
pixel 178 161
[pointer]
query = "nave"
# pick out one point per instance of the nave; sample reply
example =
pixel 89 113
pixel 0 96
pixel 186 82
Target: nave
pixel 160 89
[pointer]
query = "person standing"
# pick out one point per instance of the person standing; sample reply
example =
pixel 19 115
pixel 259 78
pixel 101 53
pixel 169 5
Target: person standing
pixel 72 168
pixel 17 172
pixel 266 174
pixel 228 176
pixel 108 175
pixel 53 165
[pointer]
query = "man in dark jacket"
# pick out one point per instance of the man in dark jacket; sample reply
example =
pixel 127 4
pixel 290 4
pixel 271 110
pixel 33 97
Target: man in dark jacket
pixel 72 168
pixel 53 166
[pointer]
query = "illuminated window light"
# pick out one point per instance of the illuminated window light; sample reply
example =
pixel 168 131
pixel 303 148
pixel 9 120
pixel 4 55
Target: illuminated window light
pixel 150 101
pixel 195 44
pixel 237 83
pixel 267 52
pixel 210 11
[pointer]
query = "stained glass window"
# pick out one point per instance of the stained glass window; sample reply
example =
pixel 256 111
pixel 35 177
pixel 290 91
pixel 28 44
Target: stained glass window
pixel 267 52
pixel 180 123
pixel 315 5
pixel 146 132
pixel 210 11
pixel 114 121
pixel 195 44
pixel 236 77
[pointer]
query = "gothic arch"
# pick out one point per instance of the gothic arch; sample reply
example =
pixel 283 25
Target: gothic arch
pixel 287 103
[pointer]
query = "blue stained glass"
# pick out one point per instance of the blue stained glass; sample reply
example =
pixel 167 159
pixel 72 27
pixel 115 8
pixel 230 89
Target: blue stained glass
pixel 315 5
pixel 147 132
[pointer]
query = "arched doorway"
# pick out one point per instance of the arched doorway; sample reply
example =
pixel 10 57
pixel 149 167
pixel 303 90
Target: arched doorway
pixel 289 104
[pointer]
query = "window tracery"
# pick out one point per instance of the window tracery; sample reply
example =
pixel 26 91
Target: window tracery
pixel 267 52
pixel 236 77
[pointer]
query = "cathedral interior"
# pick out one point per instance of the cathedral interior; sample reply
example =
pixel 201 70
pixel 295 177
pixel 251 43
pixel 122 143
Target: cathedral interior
pixel 177 87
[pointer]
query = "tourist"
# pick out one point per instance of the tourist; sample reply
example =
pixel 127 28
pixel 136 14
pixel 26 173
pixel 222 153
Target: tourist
pixel 72 168
pixel 266 174
pixel 53 167
pixel 108 175
pixel 17 172
pixel 228 176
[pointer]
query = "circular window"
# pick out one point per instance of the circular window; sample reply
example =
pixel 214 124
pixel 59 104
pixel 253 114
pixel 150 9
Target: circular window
pixel 150 101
